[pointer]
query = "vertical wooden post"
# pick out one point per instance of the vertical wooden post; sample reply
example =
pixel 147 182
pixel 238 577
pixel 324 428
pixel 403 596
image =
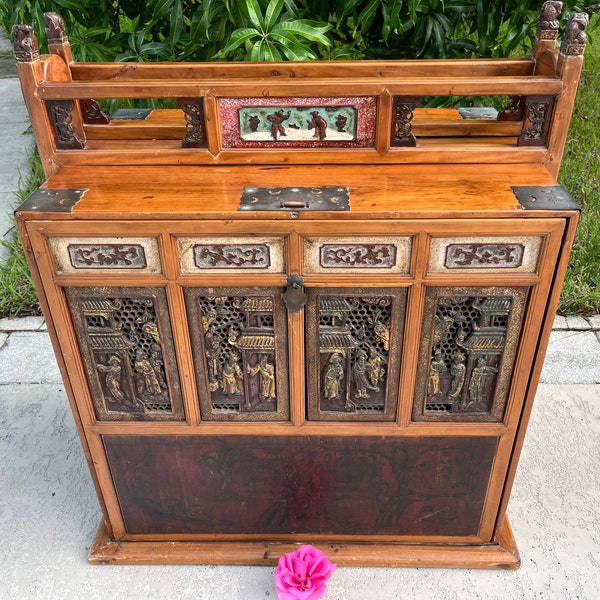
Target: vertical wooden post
pixel 31 73
pixel 570 62
pixel 89 110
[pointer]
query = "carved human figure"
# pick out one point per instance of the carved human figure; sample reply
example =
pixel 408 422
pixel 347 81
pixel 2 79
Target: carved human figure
pixel 478 380
pixel 156 360
pixel 267 377
pixel 232 378
pixel 340 122
pixel 436 367
pixel 112 378
pixel 376 367
pixel 211 344
pixel 319 124
pixel 276 119
pixel 458 371
pixel 148 381
pixel 361 376
pixel 332 377
pixel 254 122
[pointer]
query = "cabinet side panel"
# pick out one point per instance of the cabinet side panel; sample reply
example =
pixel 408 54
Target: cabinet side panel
pixel 272 486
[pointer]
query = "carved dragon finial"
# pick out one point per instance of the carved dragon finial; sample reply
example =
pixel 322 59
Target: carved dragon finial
pixel 575 36
pixel 549 23
pixel 26 45
pixel 55 28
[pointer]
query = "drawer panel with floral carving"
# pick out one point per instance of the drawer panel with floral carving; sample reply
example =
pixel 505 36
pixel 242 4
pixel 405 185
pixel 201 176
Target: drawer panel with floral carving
pixel 105 254
pixel 231 254
pixel 357 255
pixel 484 254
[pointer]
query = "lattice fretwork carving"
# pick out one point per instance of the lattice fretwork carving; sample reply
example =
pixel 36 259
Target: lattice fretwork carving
pixel 125 354
pixel 353 362
pixel 241 362
pixel 467 354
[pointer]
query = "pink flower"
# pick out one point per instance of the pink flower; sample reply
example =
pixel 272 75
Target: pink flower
pixel 301 575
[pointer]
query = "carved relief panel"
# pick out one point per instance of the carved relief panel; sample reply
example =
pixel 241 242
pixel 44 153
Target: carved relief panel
pixel 239 337
pixel 353 355
pixel 127 348
pixel 468 348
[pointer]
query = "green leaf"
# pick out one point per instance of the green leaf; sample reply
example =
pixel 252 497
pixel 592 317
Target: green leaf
pixel 293 49
pixel 271 52
pixel 255 14
pixel 176 22
pixel 367 15
pixel 304 29
pixel 257 52
pixel 273 13
pixel 238 38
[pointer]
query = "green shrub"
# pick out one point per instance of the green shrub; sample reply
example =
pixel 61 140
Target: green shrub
pixel 167 30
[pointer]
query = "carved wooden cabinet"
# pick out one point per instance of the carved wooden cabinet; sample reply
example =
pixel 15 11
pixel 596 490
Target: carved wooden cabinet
pixel 333 338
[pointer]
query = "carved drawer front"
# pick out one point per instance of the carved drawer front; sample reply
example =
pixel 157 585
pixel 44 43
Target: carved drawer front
pixel 126 344
pixel 354 339
pixel 484 254
pixel 105 254
pixel 468 348
pixel 357 255
pixel 239 337
pixel 230 254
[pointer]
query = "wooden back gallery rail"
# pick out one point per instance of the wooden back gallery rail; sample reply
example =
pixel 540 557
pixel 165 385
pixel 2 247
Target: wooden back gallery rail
pixel 292 303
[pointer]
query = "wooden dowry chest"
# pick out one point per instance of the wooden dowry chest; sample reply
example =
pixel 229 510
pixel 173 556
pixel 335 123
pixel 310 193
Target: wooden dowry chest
pixel 301 307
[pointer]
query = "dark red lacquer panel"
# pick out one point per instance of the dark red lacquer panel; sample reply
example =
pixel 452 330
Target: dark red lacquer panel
pixel 320 485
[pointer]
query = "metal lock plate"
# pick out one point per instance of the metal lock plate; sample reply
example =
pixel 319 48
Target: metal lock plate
pixel 295 198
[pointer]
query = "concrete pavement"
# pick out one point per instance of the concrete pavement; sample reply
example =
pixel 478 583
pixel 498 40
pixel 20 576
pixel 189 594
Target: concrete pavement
pixel 49 512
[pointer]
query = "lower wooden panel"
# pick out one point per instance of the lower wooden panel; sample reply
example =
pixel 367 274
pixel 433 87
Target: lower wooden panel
pixel 309 485
pixel 502 553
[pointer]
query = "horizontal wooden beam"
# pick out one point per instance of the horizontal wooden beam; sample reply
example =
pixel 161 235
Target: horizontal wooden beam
pixel 432 86
pixel 300 70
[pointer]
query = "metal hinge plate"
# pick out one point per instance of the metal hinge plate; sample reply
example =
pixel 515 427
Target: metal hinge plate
pixel 295 198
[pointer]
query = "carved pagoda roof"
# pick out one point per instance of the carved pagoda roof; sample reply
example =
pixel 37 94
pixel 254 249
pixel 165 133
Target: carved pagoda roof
pixel 262 304
pixel 496 305
pixel 255 342
pixel 484 340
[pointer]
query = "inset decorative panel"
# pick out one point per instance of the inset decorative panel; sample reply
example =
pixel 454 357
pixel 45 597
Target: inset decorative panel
pixel 357 255
pixel 298 122
pixel 112 254
pixel 485 254
pixel 468 347
pixel 229 254
pixel 240 352
pixel 354 339
pixel 306 485
pixel 127 348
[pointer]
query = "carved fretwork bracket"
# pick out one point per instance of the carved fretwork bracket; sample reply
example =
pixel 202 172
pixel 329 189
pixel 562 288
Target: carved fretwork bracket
pixel 575 36
pixel 55 28
pixel 538 116
pixel 514 110
pixel 402 117
pixel 61 118
pixel 26 45
pixel 195 130
pixel 549 23
pixel 92 112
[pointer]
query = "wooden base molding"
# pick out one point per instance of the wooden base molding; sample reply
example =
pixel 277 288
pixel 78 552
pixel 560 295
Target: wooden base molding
pixel 502 554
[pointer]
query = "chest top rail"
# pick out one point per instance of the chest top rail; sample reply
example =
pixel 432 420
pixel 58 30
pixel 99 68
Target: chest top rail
pixel 355 112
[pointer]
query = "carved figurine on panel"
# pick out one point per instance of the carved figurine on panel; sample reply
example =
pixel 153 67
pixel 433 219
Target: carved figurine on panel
pixel 319 124
pixel 340 122
pixel 156 360
pixel 148 383
pixel 212 346
pixel 361 376
pixel 478 381
pixel 254 122
pixel 333 377
pixel 112 378
pixel 232 378
pixel 436 367
pixel 276 119
pixel 267 377
pixel 458 370
pixel 376 368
